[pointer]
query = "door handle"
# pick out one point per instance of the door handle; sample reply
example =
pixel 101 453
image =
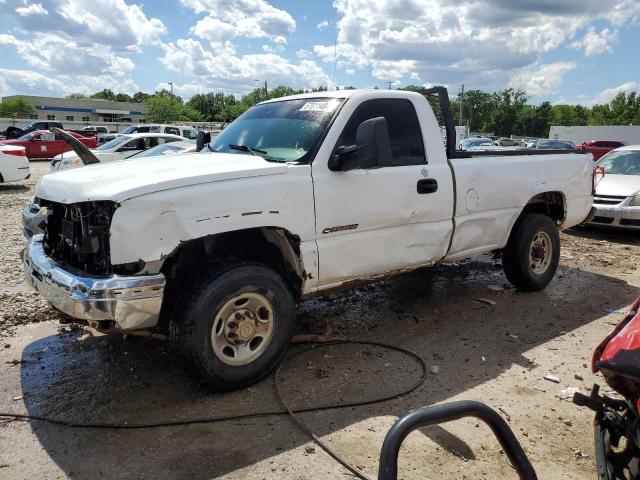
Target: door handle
pixel 427 185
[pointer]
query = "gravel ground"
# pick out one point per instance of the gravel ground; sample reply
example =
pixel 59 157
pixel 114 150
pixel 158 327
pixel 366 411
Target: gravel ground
pixel 497 353
pixel 18 305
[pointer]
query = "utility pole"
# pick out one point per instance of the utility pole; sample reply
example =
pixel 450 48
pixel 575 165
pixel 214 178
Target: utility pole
pixel 389 85
pixel 461 99
pixel 171 85
pixel 266 92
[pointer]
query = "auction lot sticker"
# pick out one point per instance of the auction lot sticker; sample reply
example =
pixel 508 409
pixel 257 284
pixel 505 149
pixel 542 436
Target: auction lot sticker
pixel 326 106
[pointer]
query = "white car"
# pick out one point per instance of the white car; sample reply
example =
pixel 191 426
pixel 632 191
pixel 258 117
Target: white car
pixel 168 149
pixel 119 148
pixel 182 130
pixel 617 199
pixel 14 164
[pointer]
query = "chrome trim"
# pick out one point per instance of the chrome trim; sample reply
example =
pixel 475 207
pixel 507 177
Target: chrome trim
pixel 133 302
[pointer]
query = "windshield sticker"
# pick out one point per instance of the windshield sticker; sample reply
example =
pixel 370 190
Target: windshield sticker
pixel 327 106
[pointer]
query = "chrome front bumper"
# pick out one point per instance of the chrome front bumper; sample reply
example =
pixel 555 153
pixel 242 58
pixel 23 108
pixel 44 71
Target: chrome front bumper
pixel 132 302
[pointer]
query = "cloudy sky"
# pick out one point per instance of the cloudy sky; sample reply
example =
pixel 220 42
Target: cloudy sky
pixel 558 50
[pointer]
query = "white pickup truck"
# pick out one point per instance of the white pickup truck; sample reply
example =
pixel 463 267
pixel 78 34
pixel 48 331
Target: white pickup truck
pixel 300 196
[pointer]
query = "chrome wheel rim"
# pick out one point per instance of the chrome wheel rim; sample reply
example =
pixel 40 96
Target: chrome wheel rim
pixel 540 253
pixel 242 329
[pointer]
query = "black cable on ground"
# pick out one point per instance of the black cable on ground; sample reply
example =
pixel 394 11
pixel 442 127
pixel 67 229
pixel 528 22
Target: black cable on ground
pixel 286 409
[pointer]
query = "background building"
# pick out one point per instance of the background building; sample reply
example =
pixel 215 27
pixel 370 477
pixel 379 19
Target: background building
pixel 623 133
pixel 85 110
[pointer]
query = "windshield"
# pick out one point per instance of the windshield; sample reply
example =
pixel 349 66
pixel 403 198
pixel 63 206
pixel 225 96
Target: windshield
pixel 284 131
pixel 625 162
pixel 114 143
pixel 165 149
pixel 28 136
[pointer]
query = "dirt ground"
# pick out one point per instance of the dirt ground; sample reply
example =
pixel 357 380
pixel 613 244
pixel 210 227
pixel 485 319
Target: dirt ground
pixel 497 353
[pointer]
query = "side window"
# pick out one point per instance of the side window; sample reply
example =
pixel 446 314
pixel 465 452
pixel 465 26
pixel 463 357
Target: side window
pixel 172 131
pixel 136 144
pixel 154 129
pixel 47 137
pixel 162 140
pixel 405 135
pixel 190 134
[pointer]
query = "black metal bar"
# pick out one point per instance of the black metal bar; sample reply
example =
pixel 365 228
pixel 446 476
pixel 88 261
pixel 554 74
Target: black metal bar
pixel 447 116
pixel 423 417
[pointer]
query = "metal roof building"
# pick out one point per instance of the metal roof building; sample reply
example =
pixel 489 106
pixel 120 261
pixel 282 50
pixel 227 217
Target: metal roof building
pixel 86 110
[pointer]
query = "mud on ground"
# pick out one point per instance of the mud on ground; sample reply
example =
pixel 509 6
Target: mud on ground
pixel 497 353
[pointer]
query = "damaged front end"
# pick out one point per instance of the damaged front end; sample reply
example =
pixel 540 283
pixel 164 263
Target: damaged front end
pixel 78 234
pixel 70 266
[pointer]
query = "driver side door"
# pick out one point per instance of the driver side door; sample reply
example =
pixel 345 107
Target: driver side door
pixel 379 220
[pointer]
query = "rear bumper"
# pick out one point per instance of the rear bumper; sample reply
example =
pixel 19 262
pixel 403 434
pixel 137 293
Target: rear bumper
pixel 131 302
pixel 619 216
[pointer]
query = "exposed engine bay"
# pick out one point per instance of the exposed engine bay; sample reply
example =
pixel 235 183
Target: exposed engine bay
pixel 78 234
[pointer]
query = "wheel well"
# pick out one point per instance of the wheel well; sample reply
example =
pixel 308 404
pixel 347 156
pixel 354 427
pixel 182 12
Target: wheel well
pixel 277 248
pixel 551 204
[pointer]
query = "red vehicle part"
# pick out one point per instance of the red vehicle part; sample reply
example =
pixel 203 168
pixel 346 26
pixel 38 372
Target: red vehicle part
pixel 618 355
pixel 45 144
pixel 600 147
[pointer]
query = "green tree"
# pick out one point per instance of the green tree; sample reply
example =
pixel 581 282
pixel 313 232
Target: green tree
pixel 105 94
pixel 140 97
pixel 161 108
pixel 508 104
pixel 123 97
pixel 76 96
pixel 16 107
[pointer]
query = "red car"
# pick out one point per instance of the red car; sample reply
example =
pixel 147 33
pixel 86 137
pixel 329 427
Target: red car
pixel 45 144
pixel 599 147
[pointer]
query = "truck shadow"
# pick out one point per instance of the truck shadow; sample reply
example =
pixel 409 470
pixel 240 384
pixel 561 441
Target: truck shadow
pixel 434 313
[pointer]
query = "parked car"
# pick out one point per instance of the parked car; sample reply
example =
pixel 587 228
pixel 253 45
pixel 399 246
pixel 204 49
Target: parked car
pixel 43 144
pixel 15 132
pixel 617 199
pixel 555 145
pixel 300 196
pixel 168 149
pixel 107 137
pixel 14 164
pixel 96 128
pixel 505 142
pixel 121 147
pixel 600 147
pixel 475 143
pixel 182 130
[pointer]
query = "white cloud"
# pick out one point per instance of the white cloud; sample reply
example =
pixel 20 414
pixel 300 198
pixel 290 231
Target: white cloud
pixel 111 23
pixel 541 79
pixel 50 52
pixel 227 19
pixel 213 69
pixel 322 25
pixel 33 9
pixel 28 82
pixel 594 43
pixel 480 42
pixel 605 96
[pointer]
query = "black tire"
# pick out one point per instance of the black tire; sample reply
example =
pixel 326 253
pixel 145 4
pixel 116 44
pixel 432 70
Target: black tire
pixel 516 260
pixel 194 317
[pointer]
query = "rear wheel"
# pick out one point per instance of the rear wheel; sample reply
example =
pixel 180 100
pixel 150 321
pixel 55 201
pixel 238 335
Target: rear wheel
pixel 531 257
pixel 233 325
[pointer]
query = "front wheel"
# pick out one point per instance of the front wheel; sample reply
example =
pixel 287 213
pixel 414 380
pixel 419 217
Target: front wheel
pixel 532 254
pixel 232 327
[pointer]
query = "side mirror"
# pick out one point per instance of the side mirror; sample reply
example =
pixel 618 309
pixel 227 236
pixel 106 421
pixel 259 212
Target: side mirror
pixel 372 148
pixel 202 139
